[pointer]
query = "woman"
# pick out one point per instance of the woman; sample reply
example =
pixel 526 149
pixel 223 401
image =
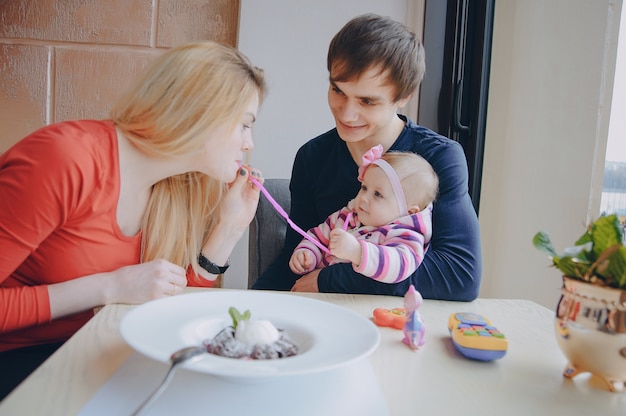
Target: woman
pixel 375 65
pixel 129 209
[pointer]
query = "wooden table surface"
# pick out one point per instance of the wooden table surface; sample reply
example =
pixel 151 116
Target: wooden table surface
pixel 435 380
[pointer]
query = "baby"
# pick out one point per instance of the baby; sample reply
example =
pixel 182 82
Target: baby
pixel 385 230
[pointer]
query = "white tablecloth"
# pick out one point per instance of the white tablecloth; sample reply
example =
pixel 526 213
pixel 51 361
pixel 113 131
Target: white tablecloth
pixel 348 390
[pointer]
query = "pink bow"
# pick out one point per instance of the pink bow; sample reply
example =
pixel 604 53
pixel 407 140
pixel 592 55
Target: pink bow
pixel 373 156
pixel 369 157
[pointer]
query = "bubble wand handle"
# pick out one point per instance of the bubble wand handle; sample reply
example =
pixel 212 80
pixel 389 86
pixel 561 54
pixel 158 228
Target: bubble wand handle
pixel 346 222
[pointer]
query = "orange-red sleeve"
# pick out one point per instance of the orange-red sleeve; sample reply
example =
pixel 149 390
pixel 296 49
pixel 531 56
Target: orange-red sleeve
pixel 23 306
pixel 194 280
pixel 31 210
pixel 38 188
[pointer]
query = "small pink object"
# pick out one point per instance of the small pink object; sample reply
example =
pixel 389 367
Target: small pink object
pixel 283 214
pixel 414 328
pixel 346 222
pixel 369 157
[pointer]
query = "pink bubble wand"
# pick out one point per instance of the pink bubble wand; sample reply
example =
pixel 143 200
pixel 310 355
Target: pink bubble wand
pixel 347 221
pixel 283 214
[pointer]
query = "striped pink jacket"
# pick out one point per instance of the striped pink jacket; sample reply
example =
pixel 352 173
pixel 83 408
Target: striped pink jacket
pixel 390 253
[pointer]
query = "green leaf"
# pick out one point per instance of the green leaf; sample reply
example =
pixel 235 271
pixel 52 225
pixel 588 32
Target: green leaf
pixel 599 254
pixel 237 317
pixel 605 233
pixel 542 242
pixel 572 266
pixel 614 272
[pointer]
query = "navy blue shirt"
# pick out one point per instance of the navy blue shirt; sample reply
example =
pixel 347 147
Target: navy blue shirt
pixel 324 179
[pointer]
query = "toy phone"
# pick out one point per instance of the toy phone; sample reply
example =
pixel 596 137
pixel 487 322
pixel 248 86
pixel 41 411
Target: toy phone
pixel 475 337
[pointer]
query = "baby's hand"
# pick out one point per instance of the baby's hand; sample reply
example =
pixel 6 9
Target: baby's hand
pixel 302 261
pixel 345 246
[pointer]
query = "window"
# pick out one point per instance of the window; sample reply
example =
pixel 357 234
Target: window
pixel 614 185
pixel 457 38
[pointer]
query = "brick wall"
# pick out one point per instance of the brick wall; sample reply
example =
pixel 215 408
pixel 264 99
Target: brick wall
pixel 69 59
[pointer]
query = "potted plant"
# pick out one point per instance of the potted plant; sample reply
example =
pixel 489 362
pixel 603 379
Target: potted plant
pixel 591 315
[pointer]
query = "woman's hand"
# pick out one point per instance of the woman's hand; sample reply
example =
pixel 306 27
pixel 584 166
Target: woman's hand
pixel 237 209
pixel 240 202
pixel 130 284
pixel 147 281
pixel 302 261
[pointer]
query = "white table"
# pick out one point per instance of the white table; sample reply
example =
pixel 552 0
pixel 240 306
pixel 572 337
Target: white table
pixel 435 380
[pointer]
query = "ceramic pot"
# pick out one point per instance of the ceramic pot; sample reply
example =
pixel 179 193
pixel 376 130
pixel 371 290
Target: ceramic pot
pixel 590 326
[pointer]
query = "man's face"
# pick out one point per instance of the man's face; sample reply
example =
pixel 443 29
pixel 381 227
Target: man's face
pixel 363 108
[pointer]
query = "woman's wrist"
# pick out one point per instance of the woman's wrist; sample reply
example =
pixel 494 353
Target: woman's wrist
pixel 211 267
pixel 108 285
pixel 220 245
pixel 81 294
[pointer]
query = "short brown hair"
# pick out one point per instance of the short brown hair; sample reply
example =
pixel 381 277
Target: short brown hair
pixel 369 41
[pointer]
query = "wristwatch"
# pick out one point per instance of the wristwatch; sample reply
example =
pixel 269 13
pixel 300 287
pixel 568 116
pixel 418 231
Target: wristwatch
pixel 211 267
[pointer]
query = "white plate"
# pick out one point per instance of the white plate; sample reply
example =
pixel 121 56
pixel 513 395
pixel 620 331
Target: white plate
pixel 328 335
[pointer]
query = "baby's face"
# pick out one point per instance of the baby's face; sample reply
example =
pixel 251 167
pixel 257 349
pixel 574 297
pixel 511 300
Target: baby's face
pixel 376 203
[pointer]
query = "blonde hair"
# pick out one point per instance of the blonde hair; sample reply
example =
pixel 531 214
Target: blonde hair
pixel 419 181
pixel 185 92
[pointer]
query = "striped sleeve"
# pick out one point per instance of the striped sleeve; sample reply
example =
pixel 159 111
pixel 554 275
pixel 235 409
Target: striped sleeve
pixel 400 251
pixel 321 233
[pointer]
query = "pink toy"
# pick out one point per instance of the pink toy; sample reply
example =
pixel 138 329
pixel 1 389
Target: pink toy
pixel 414 329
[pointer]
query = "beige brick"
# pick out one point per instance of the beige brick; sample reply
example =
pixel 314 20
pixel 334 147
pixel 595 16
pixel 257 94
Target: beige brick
pixel 181 21
pixel 88 81
pixel 124 22
pixel 89 51
pixel 23 91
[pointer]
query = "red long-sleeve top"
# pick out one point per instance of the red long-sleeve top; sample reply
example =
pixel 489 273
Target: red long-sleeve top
pixel 59 190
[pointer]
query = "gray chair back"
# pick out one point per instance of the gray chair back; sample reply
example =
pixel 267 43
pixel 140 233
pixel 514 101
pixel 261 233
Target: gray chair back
pixel 267 229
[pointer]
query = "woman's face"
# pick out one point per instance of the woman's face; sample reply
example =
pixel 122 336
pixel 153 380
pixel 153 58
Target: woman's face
pixel 364 109
pixel 376 203
pixel 225 146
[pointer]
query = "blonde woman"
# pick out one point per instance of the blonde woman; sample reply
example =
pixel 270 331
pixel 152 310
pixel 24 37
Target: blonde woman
pixel 129 209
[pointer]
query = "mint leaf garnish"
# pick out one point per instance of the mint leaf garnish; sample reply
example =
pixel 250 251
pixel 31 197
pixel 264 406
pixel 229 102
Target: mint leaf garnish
pixel 237 316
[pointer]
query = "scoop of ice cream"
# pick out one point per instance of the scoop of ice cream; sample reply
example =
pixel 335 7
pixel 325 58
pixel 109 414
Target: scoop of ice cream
pixel 253 332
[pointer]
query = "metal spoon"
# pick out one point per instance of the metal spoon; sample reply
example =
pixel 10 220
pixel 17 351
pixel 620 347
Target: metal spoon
pixel 177 358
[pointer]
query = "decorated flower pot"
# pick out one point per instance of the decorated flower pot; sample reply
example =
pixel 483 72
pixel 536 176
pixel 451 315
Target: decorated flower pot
pixel 590 326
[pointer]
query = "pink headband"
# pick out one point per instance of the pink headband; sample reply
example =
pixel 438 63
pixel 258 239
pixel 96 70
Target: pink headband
pixel 372 157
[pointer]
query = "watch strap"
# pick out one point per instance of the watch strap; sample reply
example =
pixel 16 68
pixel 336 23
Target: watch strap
pixel 211 267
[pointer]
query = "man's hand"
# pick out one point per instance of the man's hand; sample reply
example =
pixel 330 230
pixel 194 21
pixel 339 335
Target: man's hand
pixel 307 283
